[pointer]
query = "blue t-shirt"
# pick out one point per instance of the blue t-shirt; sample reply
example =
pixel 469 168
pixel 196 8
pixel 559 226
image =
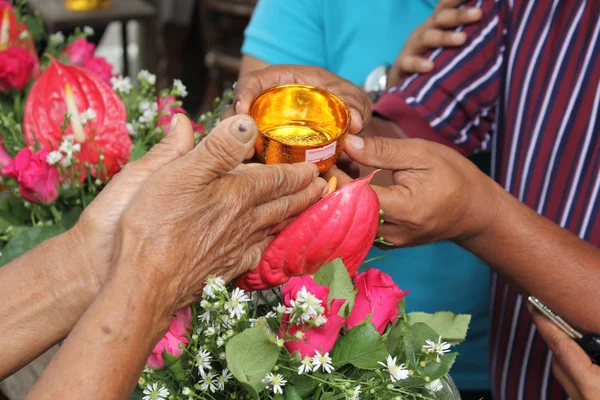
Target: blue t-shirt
pixel 350 38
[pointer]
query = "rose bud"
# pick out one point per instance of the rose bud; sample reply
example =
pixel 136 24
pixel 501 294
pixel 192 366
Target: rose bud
pixel 377 296
pixel 343 224
pixel 176 335
pixel 321 337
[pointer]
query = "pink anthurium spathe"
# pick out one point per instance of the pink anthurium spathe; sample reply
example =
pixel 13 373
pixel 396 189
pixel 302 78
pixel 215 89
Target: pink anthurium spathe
pixel 343 224
pixel 63 89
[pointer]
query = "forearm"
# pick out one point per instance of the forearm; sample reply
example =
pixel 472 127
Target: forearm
pixel 42 295
pixel 543 260
pixel 105 353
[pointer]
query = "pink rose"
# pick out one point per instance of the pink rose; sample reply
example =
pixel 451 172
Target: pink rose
pixel 79 52
pixel 320 338
pixel 166 110
pixel 378 296
pixel 38 180
pixel 16 68
pixel 100 66
pixel 175 336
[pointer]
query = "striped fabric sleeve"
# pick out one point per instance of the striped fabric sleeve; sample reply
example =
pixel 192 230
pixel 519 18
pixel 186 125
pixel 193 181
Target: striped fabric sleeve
pixel 456 103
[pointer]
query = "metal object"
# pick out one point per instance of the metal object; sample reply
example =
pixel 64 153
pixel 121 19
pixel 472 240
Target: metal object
pixel 376 82
pixel 300 123
pixel 589 343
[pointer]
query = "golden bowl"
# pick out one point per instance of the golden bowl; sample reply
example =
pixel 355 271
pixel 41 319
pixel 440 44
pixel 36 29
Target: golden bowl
pixel 299 123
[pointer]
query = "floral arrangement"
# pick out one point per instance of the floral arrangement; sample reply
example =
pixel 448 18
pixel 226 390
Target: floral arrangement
pixel 329 332
pixel 67 125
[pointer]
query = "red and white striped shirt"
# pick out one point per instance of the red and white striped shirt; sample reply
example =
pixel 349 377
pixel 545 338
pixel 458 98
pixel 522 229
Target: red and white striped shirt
pixel 526 85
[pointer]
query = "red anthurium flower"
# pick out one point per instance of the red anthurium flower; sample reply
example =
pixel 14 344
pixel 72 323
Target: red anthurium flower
pixel 63 89
pixel 343 224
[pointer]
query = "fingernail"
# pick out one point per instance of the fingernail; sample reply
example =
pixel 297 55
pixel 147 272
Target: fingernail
pixel 325 191
pixel 242 129
pixel 457 36
pixel 237 105
pixel 355 142
pixel 173 123
pixel 426 64
pixel 473 12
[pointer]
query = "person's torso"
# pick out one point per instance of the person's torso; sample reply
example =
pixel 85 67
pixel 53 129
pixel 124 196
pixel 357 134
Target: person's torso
pixel 547 154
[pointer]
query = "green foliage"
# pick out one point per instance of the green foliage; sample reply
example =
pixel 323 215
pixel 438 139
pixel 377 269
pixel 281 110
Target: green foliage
pixel 335 276
pixel 251 356
pixel 362 347
pixel 25 239
pixel 451 327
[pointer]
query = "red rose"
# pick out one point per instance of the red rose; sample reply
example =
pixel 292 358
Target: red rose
pixel 378 296
pixel 101 67
pixel 38 180
pixel 79 52
pixel 166 110
pixel 16 67
pixel 321 338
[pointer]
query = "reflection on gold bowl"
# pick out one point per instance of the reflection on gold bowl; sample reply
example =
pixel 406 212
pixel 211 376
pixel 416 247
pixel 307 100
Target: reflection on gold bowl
pixel 300 123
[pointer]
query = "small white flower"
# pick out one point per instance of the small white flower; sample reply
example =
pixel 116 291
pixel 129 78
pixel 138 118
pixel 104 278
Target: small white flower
pixel 24 35
pixel 305 365
pixel 66 162
pixel 56 38
pixel 322 360
pixel 69 147
pixel 270 314
pixel 223 379
pixel 221 341
pixel 223 356
pixel 320 320
pixel 355 393
pixel 205 317
pixel 210 331
pixel 122 85
pixel 54 157
pixel 275 382
pixel 88 115
pixel 145 76
pixel 213 285
pixel 280 309
pixel 208 382
pixel 435 386
pixel 397 372
pixel 147 117
pixel 132 129
pixel 299 335
pixel 153 392
pixel 179 88
pixel 88 30
pixel 203 359
pixel 235 306
pixel 186 391
pixel 440 348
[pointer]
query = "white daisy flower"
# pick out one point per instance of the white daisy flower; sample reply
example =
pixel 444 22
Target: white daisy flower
pixel 221 341
pixel 397 372
pixel 69 147
pixel 440 348
pixel 210 331
pixel 434 386
pixel 147 117
pixel 145 76
pixel 203 359
pixel 132 129
pixel 320 320
pixel 275 382
pixel 355 393
pixel 280 309
pixel 213 285
pixel 88 30
pixel 310 304
pixel 54 157
pixel 305 365
pixel 208 382
pixel 24 35
pixel 66 162
pixel 235 306
pixel 205 317
pixel 270 314
pixel 153 392
pixel 56 39
pixel 322 361
pixel 121 85
pixel 223 379
pixel 179 88
pixel 88 115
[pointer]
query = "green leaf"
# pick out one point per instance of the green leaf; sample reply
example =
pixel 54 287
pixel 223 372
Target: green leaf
pixel 25 239
pixel 335 276
pixel 138 151
pixel 395 339
pixel 70 218
pixel 435 370
pixel 34 25
pixel 137 394
pixel 451 327
pixel 250 357
pixel 175 366
pixel 291 393
pixel 305 385
pixel 361 347
pixel 415 337
pixel 402 309
pixel 7 219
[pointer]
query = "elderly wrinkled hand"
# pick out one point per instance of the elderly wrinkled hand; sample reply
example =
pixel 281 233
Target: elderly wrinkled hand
pixel 252 84
pixel 437 194
pixel 203 214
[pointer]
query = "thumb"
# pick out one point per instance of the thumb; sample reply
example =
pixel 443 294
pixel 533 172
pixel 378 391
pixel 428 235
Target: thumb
pixel 225 147
pixel 384 153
